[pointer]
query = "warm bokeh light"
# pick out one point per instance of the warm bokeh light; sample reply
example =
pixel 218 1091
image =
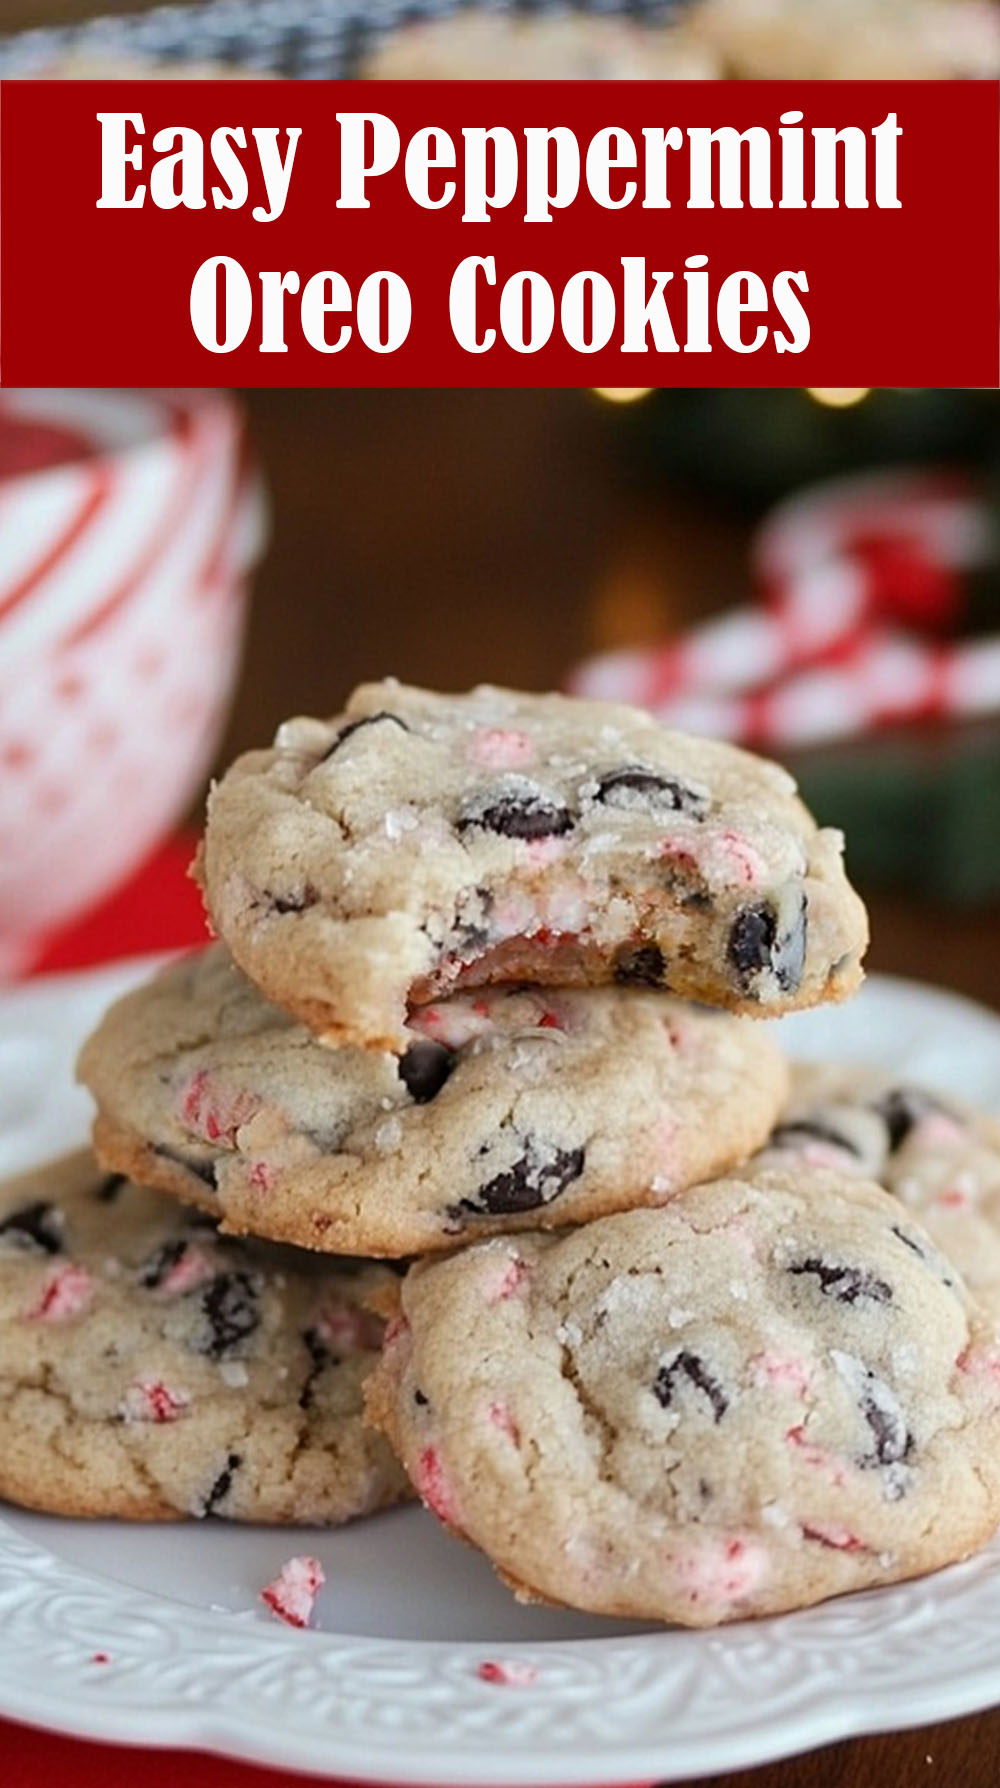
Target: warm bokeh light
pixel 839 397
pixel 622 394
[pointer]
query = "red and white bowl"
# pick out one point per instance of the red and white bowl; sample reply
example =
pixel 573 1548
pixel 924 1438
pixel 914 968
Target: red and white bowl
pixel 129 521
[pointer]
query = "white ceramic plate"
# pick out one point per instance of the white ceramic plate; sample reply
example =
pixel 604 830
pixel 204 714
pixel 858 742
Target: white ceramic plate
pixel 387 1687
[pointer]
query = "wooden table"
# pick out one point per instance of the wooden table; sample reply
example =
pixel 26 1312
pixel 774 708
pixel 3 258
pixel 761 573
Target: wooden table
pixel 24 15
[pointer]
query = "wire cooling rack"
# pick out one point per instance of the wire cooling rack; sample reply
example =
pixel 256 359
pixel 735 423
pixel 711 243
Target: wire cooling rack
pixel 302 39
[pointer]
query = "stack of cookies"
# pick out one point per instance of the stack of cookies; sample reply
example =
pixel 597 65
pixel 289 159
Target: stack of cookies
pixel 529 1217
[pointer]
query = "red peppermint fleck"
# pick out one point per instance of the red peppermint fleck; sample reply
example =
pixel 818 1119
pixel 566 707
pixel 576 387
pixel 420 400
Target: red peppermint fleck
pixel 500 1416
pixel 936 1129
pixel 511 1673
pixel 212 1115
pixel 192 1269
pixel 501 748
pixel 685 860
pixel 779 1369
pixel 741 852
pixel 953 1199
pixel 836 1537
pixel 344 1327
pixel 433 1487
pixel 150 1400
pixel 549 1022
pixel 293 1593
pixel 822 1154
pixel 982 1363
pixel 193 1096
pixel 100 1657
pixel 551 935
pixel 395 1330
pixel 63 1296
pixel 721 1572
pixel 261 1176
pixel 815 1455
pixel 510 1281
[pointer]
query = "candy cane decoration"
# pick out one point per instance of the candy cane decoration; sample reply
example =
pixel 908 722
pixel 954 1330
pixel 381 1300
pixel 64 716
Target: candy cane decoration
pixel 859 581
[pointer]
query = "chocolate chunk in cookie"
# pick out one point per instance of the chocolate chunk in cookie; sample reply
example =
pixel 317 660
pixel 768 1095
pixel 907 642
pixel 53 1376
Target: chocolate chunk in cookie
pixel 515 810
pixel 636 788
pixel 690 1367
pixel 536 1179
pixel 425 1069
pixel 37 1228
pixel 231 1309
pixel 641 965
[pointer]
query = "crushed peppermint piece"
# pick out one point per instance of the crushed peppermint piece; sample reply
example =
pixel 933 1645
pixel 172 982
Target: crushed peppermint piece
pixel 150 1400
pixel 434 1488
pixel 190 1269
pixel 501 748
pixel 292 1595
pixel 513 1673
pixel 831 1534
pixel 345 1327
pixel 515 1271
pixel 64 1296
pixel 211 1114
pixel 500 1416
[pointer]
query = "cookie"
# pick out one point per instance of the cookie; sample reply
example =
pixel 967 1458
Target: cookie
pixel 510 1110
pixel 769 1392
pixel 940 1157
pixel 851 39
pixel 150 1370
pixel 480 45
pixel 421 844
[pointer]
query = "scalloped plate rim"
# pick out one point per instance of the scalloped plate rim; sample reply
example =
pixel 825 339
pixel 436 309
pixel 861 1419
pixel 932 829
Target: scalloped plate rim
pixel 824 1713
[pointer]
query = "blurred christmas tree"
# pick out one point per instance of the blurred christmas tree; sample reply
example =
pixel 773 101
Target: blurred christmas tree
pixel 756 446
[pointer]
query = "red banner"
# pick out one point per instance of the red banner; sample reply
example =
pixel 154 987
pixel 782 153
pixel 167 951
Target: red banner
pixel 499 233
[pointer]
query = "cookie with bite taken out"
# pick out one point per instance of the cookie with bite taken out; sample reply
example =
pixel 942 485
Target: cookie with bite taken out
pixel 420 845
pixel 511 1109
